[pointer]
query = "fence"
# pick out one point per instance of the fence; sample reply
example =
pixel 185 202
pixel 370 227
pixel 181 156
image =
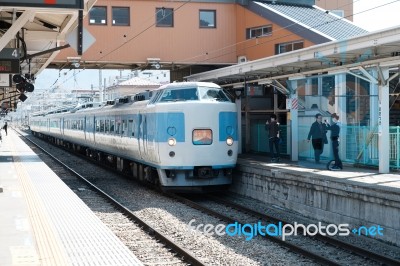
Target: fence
pixel 359 144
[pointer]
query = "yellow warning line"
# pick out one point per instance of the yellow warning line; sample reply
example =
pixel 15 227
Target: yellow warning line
pixel 49 245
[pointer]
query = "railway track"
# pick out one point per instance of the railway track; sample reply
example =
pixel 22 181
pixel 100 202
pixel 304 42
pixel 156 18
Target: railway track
pixel 176 254
pixel 355 254
pixel 211 251
pixel 295 247
pixel 378 258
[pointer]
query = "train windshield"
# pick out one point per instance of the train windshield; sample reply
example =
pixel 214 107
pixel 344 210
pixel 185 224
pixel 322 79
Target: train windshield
pixel 214 94
pixel 193 94
pixel 175 95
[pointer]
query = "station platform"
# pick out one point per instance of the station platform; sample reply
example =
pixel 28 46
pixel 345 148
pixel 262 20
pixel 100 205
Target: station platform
pixel 356 196
pixel 43 222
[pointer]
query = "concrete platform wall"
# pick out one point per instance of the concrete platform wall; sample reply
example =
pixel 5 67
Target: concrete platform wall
pixel 323 198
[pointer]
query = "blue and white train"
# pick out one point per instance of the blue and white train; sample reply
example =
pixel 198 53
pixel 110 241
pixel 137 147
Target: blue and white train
pixel 184 137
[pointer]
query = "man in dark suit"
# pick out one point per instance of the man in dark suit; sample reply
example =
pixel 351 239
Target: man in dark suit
pixel 273 130
pixel 318 135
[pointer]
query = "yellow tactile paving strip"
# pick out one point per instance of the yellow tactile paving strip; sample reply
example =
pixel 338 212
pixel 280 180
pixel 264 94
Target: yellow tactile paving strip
pixel 49 246
pixel 67 232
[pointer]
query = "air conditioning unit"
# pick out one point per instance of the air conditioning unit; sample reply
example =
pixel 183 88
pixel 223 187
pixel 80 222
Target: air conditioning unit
pixel 242 59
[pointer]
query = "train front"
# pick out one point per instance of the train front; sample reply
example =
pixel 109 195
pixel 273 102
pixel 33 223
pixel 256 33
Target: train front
pixel 200 136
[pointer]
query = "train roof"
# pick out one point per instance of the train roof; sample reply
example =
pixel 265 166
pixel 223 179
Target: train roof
pixel 189 84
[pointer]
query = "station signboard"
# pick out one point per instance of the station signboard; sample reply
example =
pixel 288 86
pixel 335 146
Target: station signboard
pixel 74 4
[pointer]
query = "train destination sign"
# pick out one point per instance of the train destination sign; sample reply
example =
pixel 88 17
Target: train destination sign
pixel 74 4
pixel 9 60
pixel 9 66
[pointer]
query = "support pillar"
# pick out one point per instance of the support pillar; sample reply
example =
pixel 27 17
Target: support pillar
pixel 239 122
pixel 341 110
pixel 247 120
pixel 373 101
pixel 294 124
pixel 383 123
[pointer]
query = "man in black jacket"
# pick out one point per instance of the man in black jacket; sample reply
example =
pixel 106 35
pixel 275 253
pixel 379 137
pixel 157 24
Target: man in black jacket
pixel 273 129
pixel 318 135
pixel 335 130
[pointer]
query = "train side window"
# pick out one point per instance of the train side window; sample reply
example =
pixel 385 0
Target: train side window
pixel 130 128
pixel 97 125
pixel 107 126
pixel 118 128
pixel 112 126
pixel 101 125
pixel 73 124
pixel 123 127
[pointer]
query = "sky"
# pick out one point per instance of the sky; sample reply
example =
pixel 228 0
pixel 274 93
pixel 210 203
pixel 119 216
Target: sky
pixel 379 18
pixel 376 19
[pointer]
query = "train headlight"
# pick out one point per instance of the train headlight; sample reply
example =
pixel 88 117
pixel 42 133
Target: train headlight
pixel 171 141
pixel 229 141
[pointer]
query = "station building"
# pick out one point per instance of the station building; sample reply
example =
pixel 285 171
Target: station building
pixel 356 78
pixel 189 37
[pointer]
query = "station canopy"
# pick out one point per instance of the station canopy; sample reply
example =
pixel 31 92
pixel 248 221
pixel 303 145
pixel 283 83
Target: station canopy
pixel 354 55
pixel 38 27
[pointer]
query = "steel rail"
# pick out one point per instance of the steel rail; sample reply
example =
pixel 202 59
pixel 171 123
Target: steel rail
pixel 335 242
pixel 186 255
pixel 315 257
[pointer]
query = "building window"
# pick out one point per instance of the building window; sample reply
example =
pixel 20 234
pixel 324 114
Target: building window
pixel 207 19
pixel 339 13
pixel 120 16
pixel 98 15
pixel 287 47
pixel 258 32
pixel 164 17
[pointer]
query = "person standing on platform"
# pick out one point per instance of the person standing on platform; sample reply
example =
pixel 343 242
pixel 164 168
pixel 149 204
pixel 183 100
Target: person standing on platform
pixel 5 128
pixel 335 130
pixel 273 129
pixel 318 135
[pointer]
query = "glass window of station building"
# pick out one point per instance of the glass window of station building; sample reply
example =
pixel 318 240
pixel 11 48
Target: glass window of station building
pixel 287 47
pixel 164 17
pixel 120 16
pixel 351 98
pixel 207 19
pixel 98 15
pixel 258 32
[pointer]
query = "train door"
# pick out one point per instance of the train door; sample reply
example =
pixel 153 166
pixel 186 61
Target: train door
pixel 142 135
pixel 130 128
pixel 94 129
pixel 84 127
pixel 48 125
